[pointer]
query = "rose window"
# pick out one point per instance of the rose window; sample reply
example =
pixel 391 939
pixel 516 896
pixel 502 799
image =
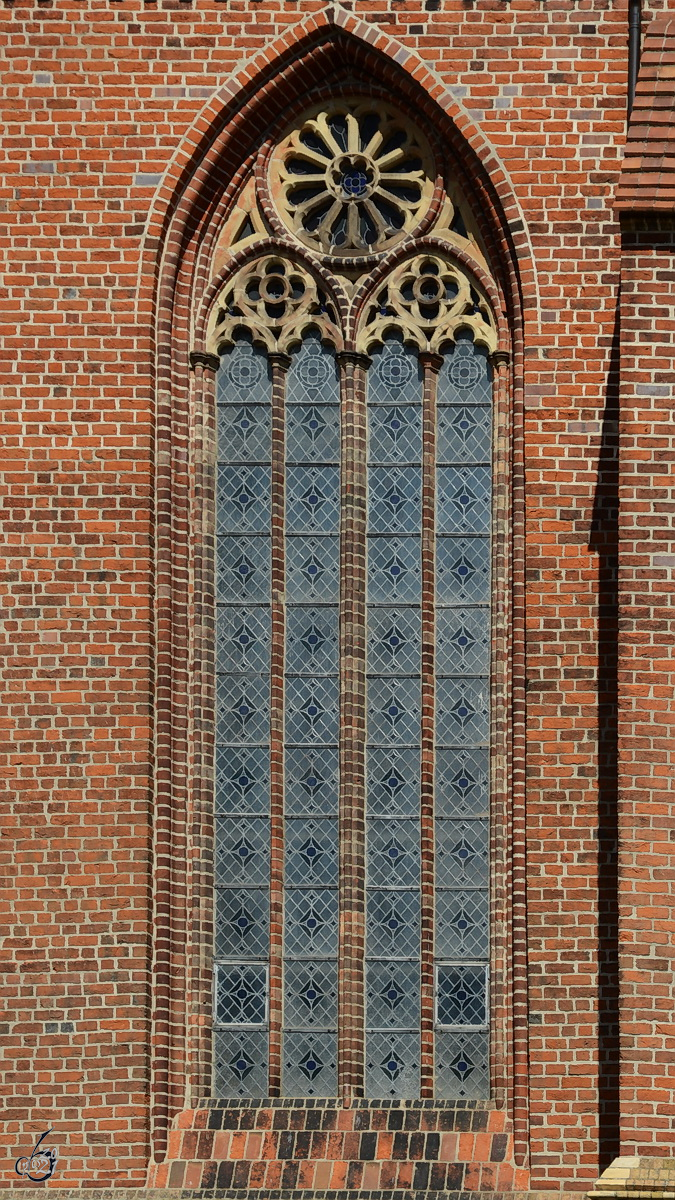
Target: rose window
pixel 355 177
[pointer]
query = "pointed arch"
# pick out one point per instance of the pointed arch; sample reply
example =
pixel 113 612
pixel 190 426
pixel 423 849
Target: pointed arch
pixel 197 189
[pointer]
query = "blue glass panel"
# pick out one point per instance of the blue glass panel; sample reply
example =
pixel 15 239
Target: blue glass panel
pixel 313 433
pixel 392 1065
pixel 464 434
pixel 395 434
pixel 462 854
pixel 312 566
pixel 311 710
pixel 243 569
pixel 244 433
pixel 463 641
pixel 462 994
pixel 240 1064
pixel 393 995
pixel 242 923
pixel 462 570
pixel 310 995
pixel 312 641
pixel 394 641
pixel 463 711
pixel 462 924
pixel 311 923
pixel 313 375
pixel 395 376
pixel 241 994
pixel 312 499
pixel 393 853
pixel 462 1065
pixel 242 708
pixel 393 782
pixel 311 853
pixel 311 781
pixel 394 499
pixel 394 707
pixel 242 640
pixel 243 499
pixel 309 1064
pixel 463 499
pixel 393 926
pixel 242 851
pixel 242 779
pixel 466 375
pixel 244 376
pixel 462 783
pixel 394 570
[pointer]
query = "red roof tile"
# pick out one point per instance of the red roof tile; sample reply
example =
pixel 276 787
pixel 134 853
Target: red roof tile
pixel 647 179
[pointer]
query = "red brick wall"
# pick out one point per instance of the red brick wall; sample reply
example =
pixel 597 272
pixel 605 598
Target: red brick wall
pixel 100 97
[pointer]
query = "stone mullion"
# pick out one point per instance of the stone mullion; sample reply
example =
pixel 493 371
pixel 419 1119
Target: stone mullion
pixel 279 365
pixel 431 364
pixel 351 980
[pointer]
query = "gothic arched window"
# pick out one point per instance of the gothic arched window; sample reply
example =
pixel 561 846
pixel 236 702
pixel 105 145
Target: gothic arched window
pixel 356 331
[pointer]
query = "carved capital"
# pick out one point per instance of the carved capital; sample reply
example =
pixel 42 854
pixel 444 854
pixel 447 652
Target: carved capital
pixel 201 358
pixel 353 358
pixel 500 358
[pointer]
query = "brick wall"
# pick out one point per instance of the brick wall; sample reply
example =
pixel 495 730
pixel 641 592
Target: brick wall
pixel 103 98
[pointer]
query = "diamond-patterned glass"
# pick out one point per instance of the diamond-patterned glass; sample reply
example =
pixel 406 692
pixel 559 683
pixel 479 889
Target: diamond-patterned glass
pixel 244 433
pixel 309 1064
pixel 393 853
pixel 462 854
pixel 395 376
pixel 464 434
pixel 393 924
pixel 313 375
pixel 462 711
pixel 312 499
pixel 312 640
pixel 462 570
pixel 241 994
pixel 394 499
pixel 394 711
pixel 243 570
pixel 312 569
pixel 243 640
pixel 393 781
pixel 394 570
pixel 462 924
pixel 311 781
pixel 244 376
pixel 313 433
pixel 393 1065
pixel 394 641
pixel 465 376
pixel 462 783
pixel 242 708
pixel 462 1065
pixel 463 499
pixel 311 923
pixel 311 853
pixel 240 1064
pixel 311 710
pixel 242 851
pixel 393 995
pixel 310 995
pixel 243 499
pixel 462 994
pixel 242 780
pixel 242 923
pixel 395 434
pixel 463 641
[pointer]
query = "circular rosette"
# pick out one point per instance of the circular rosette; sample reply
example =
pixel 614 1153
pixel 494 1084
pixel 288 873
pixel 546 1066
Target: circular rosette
pixel 353 178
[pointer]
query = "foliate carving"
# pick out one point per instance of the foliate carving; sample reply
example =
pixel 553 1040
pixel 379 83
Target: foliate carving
pixel 273 300
pixel 427 299
pixel 355 177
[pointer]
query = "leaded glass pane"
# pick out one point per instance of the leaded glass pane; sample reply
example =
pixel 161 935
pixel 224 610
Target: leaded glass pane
pixel 242 708
pixel 462 570
pixel 462 924
pixel 394 711
pixel 241 1058
pixel 241 994
pixel 393 1065
pixel 243 499
pixel 312 641
pixel 462 994
pixel 393 929
pixel 466 375
pixel 394 499
pixel 311 781
pixel 312 499
pixel 312 566
pixel 242 923
pixel 311 710
pixel 463 499
pixel 394 641
pixel 242 779
pixel 463 641
pixel 243 569
pixel 462 711
pixel 395 376
pixel 243 378
pixel 393 856
pixel 464 434
pixel 243 640
pixel 310 995
pixel 313 433
pixel 311 923
pixel 313 375
pixel 310 1064
pixel 393 781
pixel 462 783
pixel 395 434
pixel 311 853
pixel 244 433
pixel 393 995
pixel 394 570
pixel 462 854
pixel 242 851
pixel 462 1065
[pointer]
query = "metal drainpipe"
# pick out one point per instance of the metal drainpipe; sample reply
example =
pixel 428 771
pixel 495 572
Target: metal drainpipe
pixel 634 38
